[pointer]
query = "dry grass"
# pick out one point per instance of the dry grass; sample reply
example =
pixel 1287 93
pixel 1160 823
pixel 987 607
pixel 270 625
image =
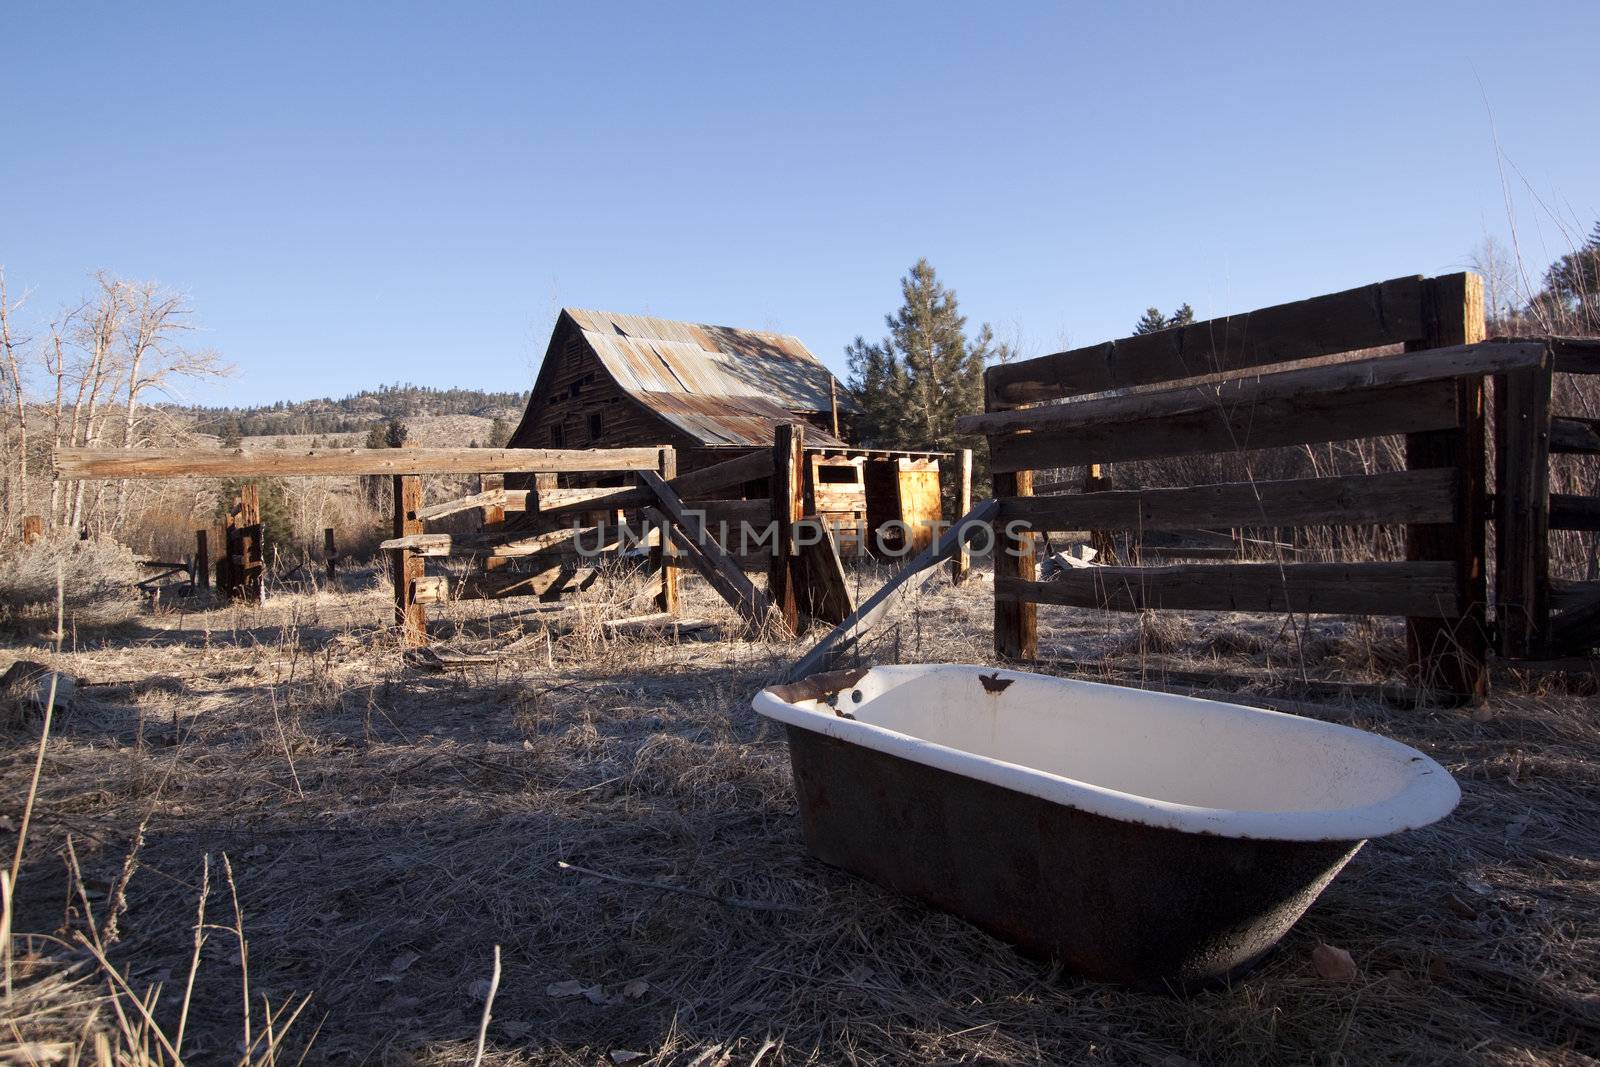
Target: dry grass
pixel 100 578
pixel 388 828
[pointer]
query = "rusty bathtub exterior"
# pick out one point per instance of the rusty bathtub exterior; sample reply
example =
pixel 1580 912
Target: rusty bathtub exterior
pixel 1113 898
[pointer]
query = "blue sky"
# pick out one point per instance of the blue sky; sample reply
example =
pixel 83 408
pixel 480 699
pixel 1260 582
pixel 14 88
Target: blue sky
pixel 355 194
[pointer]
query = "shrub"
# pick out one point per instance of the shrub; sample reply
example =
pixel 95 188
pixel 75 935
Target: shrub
pixel 99 582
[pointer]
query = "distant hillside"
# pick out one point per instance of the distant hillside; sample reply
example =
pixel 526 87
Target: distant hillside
pixel 352 414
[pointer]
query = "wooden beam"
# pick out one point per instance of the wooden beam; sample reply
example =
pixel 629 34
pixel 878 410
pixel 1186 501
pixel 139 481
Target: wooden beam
pixel 694 485
pixel 407 566
pixel 1522 511
pixel 546 581
pixel 1415 589
pixel 907 581
pixel 1373 315
pixel 487 499
pixel 1570 511
pixel 1575 436
pixel 1016 623
pixel 1444 364
pixel 1451 653
pixel 202 560
pixel 430 589
pixel 1270 424
pixel 1395 496
pixel 663 553
pixel 788 507
pixel 824 587
pixel 1577 629
pixel 1576 355
pixel 91 463
pixel 706 555
pixel 961 562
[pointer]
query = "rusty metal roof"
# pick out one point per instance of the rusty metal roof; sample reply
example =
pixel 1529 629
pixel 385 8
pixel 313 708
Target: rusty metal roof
pixel 724 386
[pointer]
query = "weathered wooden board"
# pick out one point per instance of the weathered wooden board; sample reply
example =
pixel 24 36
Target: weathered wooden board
pixel 1394 496
pixel 1570 511
pixel 824 589
pixel 407 566
pixel 1273 423
pixel 1523 511
pixel 95 463
pixel 1575 436
pixel 704 554
pixel 490 500
pixel 920 507
pixel 1451 654
pixel 1386 313
pixel 691 486
pixel 1248 393
pixel 1413 589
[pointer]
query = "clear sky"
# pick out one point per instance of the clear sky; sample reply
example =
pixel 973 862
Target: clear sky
pixel 355 194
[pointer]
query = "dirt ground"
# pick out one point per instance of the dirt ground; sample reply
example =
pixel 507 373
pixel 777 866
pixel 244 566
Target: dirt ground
pixel 387 827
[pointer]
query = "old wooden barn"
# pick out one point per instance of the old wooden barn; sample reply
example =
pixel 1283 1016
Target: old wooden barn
pixel 714 393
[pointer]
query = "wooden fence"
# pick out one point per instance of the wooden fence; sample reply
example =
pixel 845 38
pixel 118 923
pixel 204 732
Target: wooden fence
pixel 1039 414
pixel 1538 617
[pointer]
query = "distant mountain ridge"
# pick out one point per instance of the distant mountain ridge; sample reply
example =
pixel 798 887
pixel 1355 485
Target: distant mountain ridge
pixel 352 414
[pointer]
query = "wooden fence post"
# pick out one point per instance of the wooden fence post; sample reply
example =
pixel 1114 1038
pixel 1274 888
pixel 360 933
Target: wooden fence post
pixel 1522 510
pixel 667 598
pixel 250 563
pixel 961 562
pixel 494 516
pixel 330 553
pixel 1016 622
pixel 32 529
pixel 1450 654
pixel 788 507
pixel 201 578
pixel 408 566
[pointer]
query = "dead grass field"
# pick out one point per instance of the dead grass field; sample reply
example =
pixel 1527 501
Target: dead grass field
pixel 387 827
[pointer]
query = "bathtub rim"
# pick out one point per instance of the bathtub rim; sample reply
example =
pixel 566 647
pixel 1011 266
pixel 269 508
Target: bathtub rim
pixel 1430 794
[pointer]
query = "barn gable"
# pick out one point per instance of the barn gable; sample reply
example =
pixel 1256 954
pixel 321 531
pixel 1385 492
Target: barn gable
pixel 613 380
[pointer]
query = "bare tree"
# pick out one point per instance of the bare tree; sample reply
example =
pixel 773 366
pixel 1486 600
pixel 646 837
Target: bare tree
pixel 1502 287
pixel 17 484
pixel 155 318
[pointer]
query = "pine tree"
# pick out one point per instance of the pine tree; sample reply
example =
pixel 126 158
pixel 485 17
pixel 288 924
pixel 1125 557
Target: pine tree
pixel 914 383
pixel 499 432
pixel 1150 322
pixel 396 434
pixel 1571 297
pixel 1153 321
pixel 375 437
pixel 232 433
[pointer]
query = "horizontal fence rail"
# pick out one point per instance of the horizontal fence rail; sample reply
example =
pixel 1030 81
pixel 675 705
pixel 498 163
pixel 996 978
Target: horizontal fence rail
pixel 83 464
pixel 1387 313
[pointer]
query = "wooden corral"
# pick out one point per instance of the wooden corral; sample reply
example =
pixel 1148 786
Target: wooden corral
pixel 529 539
pixel 1160 396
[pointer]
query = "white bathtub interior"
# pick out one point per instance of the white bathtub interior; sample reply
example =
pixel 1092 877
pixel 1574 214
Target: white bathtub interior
pixel 1168 748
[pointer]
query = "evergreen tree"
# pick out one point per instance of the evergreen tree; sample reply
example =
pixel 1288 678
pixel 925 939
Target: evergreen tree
pixel 915 382
pixel 1153 321
pixel 375 437
pixel 1572 287
pixel 1150 322
pixel 396 434
pixel 499 432
pixel 232 434
pixel 277 526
